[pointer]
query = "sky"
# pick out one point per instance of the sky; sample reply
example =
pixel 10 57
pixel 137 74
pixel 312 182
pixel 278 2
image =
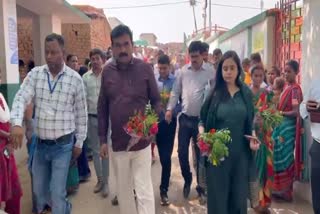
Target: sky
pixel 170 22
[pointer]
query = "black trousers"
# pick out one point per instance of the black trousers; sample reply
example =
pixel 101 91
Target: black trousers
pixel 315 176
pixel 188 128
pixel 165 143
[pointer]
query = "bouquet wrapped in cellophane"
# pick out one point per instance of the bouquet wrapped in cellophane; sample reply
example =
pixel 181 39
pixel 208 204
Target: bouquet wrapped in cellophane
pixel 142 125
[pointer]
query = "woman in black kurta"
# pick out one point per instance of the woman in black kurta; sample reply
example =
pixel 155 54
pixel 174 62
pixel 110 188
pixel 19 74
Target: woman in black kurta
pixel 230 106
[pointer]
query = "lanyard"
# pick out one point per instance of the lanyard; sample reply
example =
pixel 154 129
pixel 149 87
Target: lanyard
pixel 55 84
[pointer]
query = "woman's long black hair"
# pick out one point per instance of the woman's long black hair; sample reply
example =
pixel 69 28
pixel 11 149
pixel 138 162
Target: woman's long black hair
pixel 220 88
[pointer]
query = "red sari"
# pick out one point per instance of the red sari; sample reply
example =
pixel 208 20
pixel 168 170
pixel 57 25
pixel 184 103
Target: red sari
pixel 10 189
pixel 288 157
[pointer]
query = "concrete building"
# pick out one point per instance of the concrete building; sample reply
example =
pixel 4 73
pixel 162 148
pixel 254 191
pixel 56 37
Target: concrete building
pixel 45 16
pixel 150 38
pixel 252 35
pixel 114 22
pixel 38 17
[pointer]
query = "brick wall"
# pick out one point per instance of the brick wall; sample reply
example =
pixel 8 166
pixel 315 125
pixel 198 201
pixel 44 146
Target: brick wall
pixel 100 33
pixel 77 40
pixel 81 38
pixel 25 38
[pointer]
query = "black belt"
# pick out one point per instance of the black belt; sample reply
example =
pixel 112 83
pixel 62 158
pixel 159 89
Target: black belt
pixel 93 115
pixel 190 117
pixel 61 140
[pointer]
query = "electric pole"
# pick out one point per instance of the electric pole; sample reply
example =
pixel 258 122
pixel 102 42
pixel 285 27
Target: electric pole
pixel 210 18
pixel 193 4
pixel 204 15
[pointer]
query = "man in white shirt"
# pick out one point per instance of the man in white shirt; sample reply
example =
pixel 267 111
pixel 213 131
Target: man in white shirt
pixel 60 113
pixel 190 84
pixel 92 82
pixel 311 108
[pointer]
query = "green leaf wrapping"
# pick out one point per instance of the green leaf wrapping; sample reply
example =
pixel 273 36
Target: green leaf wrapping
pixel 218 141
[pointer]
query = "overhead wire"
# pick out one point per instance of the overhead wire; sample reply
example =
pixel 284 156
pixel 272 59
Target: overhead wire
pixel 178 2
pixel 146 5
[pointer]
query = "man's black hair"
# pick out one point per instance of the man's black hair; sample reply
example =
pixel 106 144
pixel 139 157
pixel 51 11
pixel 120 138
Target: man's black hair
pixel 164 60
pixel 195 46
pixel 119 31
pixel 97 51
pixel 55 37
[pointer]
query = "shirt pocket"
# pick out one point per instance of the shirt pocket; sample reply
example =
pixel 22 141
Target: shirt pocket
pixel 65 98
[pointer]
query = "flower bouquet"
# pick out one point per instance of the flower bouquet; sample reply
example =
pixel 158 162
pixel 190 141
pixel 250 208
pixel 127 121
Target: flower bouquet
pixel 141 125
pixel 214 145
pixel 271 118
pixel 165 96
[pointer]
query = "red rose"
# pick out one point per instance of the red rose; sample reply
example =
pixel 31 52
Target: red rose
pixel 204 148
pixel 263 108
pixel 263 97
pixel 129 129
pixel 212 131
pixel 154 129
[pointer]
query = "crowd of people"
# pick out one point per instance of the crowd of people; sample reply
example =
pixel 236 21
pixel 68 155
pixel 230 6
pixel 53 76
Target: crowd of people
pixel 73 114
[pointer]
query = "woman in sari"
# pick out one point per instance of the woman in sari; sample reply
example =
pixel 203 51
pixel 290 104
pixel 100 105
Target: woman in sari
pixel 10 189
pixel 229 106
pixel 287 137
pixel 79 170
pixel 264 156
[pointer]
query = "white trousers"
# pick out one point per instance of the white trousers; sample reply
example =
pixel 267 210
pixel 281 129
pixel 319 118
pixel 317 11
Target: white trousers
pixel 133 172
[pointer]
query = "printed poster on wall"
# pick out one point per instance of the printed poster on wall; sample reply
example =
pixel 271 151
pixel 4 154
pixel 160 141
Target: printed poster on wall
pixel 258 42
pixel 13 40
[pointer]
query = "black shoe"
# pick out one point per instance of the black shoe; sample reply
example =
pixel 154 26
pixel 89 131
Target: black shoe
pixel 186 191
pixel 90 157
pixel 115 201
pixel 83 179
pixel 199 190
pixel 164 201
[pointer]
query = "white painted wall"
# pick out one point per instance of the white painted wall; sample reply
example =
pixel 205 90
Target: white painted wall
pixel 310 64
pixel 239 43
pixel 213 45
pixel 259 34
pixel 48 24
pixel 269 42
pixel 8 42
pixel 311 42
pixel 264 31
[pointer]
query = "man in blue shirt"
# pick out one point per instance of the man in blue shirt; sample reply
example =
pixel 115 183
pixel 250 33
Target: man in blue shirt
pixel 166 134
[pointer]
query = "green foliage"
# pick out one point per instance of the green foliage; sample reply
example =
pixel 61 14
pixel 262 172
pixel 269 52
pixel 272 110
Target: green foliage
pixel 150 118
pixel 218 141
